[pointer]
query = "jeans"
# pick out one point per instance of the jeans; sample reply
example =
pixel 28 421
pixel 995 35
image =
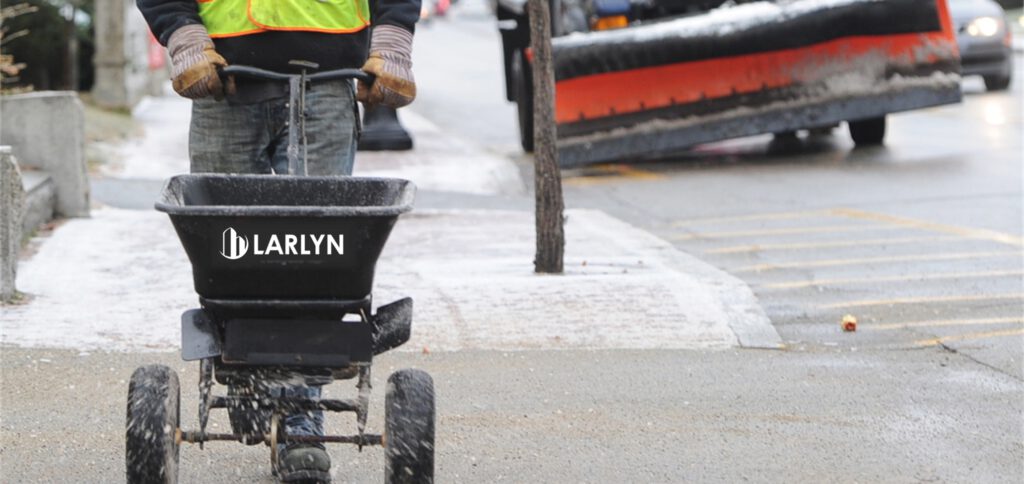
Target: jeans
pixel 253 138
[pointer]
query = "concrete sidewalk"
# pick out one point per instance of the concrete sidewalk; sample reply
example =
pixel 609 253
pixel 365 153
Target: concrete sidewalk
pixel 120 280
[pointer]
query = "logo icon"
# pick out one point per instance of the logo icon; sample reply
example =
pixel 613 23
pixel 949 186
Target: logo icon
pixel 233 246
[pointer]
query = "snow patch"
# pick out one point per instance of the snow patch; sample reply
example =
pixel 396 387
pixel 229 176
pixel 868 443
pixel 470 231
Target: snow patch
pixel 719 22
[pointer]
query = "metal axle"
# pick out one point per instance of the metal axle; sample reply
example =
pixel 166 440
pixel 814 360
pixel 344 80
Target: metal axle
pixel 193 437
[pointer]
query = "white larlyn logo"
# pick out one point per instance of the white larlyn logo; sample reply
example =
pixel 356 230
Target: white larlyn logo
pixel 234 246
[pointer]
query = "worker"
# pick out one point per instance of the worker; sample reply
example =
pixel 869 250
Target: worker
pixel 241 125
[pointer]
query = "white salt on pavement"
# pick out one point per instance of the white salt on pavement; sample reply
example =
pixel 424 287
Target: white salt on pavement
pixel 119 281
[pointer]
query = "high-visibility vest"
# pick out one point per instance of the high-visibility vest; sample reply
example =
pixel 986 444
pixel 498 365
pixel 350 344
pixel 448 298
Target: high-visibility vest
pixel 231 18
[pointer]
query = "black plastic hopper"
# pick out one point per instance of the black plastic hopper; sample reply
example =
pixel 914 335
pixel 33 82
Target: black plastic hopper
pixel 282 237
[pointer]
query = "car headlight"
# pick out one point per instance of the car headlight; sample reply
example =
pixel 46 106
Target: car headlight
pixel 984 27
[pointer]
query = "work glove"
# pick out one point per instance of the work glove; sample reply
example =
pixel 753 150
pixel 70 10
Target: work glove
pixel 194 63
pixel 391 62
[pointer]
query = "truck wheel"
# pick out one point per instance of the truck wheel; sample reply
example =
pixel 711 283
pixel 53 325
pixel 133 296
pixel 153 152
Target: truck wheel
pixel 522 76
pixel 409 428
pixel 997 83
pixel 151 445
pixel 868 132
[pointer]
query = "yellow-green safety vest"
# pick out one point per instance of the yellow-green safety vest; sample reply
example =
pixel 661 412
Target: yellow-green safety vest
pixel 231 18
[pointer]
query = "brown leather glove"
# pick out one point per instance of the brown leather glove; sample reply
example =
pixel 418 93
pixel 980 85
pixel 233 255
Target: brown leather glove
pixel 194 63
pixel 391 61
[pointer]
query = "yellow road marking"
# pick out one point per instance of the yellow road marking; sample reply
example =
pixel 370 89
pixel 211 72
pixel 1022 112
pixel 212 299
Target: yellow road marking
pixel 613 173
pixel 971 233
pixel 783 231
pixel 870 280
pixel 944 322
pixel 927 299
pixel 824 245
pixel 971 336
pixel 753 217
pixel 874 260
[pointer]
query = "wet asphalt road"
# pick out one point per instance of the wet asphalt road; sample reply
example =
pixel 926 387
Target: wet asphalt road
pixel 920 240
pixel 578 416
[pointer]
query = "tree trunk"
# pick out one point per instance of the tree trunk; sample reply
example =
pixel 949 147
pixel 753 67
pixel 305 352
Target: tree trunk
pixel 547 177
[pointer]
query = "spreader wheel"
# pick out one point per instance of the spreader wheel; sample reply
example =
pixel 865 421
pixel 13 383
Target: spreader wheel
pixel 151 444
pixel 409 428
pixel 868 132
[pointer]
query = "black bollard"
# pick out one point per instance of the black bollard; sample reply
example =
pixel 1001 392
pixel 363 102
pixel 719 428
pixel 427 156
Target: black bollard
pixel 382 131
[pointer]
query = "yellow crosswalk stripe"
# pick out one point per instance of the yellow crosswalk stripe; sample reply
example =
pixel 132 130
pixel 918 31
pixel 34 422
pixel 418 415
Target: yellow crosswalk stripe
pixel 783 231
pixel 971 336
pixel 967 232
pixel 943 322
pixel 879 279
pixel 874 260
pixel 926 299
pixel 827 244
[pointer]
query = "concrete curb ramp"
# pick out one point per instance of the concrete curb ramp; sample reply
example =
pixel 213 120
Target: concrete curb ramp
pixel 470 273
pixel 119 281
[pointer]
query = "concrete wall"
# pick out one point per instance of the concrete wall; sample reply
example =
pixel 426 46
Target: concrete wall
pixel 47 132
pixel 123 73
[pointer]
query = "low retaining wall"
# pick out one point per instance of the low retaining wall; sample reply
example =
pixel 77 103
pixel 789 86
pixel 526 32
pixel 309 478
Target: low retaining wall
pixel 47 132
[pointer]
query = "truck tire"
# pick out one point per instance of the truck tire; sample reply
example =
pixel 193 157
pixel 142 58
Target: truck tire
pixel 997 83
pixel 151 446
pixel 868 132
pixel 522 76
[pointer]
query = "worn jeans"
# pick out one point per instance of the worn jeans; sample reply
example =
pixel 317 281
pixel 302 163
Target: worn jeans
pixel 253 138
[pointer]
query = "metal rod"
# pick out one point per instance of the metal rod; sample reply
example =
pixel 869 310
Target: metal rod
pixel 194 437
pixel 294 83
pixel 292 404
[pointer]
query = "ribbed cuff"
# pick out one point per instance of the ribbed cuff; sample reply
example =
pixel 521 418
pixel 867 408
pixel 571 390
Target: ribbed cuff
pixel 192 36
pixel 391 39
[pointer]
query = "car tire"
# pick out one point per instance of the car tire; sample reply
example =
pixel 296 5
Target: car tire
pixel 997 83
pixel 868 132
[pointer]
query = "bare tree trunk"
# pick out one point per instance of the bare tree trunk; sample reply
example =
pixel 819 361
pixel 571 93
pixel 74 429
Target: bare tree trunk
pixel 547 177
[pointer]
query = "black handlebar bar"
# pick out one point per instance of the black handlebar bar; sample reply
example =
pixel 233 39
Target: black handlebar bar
pixel 256 73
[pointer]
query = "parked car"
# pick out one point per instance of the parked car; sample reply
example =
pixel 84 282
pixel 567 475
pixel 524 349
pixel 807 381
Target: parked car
pixel 985 41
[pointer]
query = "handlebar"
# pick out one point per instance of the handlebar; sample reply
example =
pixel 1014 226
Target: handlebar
pixel 256 73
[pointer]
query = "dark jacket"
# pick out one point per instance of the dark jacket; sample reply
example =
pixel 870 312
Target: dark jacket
pixel 273 49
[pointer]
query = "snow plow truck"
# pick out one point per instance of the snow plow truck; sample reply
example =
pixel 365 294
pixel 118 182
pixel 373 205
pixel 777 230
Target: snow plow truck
pixel 641 79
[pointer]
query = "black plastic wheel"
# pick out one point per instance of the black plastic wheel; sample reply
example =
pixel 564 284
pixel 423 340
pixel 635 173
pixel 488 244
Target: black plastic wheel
pixel 997 83
pixel 868 132
pixel 522 76
pixel 409 428
pixel 151 447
